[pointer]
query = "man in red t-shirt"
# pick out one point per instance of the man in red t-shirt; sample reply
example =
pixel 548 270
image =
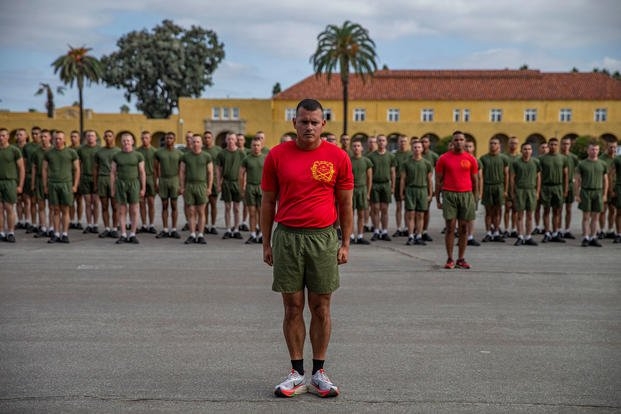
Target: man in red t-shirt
pixel 305 182
pixel 456 175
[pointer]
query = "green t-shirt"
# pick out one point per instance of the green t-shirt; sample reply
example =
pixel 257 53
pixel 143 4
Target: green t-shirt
pixel 525 173
pixel 60 164
pixel 432 157
pixel 37 161
pixel 213 152
pixel 127 164
pixel 230 161
pixel 402 157
pixel 572 163
pixel 28 151
pixel 8 163
pixel 149 156
pixel 196 166
pixel 254 168
pixel 360 166
pixel 87 159
pixel 382 164
pixel 103 160
pixel 494 168
pixel 169 162
pixel 607 159
pixel 617 164
pixel 552 168
pixel 416 172
pixel 592 174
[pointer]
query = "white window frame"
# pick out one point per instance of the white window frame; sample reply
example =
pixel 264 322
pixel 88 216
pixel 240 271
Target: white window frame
pixel 226 112
pixel 215 113
pixel 600 115
pixel 235 113
pixel 289 114
pixel 360 114
pixel 530 115
pixel 456 115
pixel 565 115
pixel 495 115
pixel 393 115
pixel 327 114
pixel 466 115
pixel 426 115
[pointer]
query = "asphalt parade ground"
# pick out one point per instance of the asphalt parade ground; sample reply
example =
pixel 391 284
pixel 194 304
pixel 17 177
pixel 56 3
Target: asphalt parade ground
pixel 164 327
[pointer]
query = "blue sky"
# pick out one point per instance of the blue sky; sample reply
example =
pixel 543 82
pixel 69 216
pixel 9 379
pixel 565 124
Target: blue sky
pixel 271 41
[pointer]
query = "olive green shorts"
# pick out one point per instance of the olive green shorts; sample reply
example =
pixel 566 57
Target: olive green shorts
pixel 570 194
pixel 87 185
pixel 552 196
pixel 525 199
pixel 360 200
pixel 195 194
pixel 253 195
pixel 458 205
pixel 103 186
pixel 416 199
pixel 230 192
pixel 27 190
pixel 149 190
pixel 305 258
pixel 8 191
pixel 380 193
pixel 493 195
pixel 127 191
pixel 591 201
pixel 60 194
pixel 169 188
pixel 617 198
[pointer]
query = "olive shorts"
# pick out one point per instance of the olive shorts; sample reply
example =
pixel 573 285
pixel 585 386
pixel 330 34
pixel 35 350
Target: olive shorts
pixel 493 195
pixel 416 199
pixel 525 199
pixel 60 194
pixel 305 258
pixel 380 193
pixel 591 201
pixel 230 192
pixel 360 200
pixel 127 191
pixel 253 195
pixel 169 188
pixel 458 205
pixel 552 196
pixel 195 194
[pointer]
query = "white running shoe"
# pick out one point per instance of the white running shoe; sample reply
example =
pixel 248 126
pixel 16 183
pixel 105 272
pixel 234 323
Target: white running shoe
pixel 322 386
pixel 294 384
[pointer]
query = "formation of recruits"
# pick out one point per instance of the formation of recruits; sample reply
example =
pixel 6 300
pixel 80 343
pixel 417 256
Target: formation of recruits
pixel 46 187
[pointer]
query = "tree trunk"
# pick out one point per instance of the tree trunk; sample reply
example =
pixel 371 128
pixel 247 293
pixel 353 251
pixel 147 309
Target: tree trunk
pixel 81 113
pixel 345 104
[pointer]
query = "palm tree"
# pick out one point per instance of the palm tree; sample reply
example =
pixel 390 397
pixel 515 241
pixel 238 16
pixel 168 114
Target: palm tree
pixel 348 46
pixel 77 66
pixel 49 101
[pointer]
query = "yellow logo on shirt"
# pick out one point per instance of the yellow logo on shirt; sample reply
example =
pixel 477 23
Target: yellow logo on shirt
pixel 323 171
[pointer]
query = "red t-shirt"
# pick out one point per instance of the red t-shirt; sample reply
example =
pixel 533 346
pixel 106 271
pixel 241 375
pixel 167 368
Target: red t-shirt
pixel 457 170
pixel 305 183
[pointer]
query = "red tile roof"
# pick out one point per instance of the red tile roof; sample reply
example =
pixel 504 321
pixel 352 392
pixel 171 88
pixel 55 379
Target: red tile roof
pixel 460 85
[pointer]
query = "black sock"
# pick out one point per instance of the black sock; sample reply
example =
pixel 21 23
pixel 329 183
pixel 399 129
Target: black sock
pixel 298 365
pixel 317 365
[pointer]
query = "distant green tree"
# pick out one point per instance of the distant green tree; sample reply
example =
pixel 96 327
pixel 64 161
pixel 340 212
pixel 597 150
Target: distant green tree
pixel 276 89
pixel 524 67
pixel 124 109
pixel 161 66
pixel 443 144
pixel 49 101
pixel 348 47
pixel 79 67
pixel 581 145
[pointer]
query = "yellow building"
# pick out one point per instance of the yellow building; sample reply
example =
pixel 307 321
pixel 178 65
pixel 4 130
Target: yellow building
pixel 528 104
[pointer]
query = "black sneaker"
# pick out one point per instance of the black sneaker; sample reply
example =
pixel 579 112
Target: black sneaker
pixel 190 240
pixel 362 240
pixel 54 239
pixel 610 235
pixel 201 240
pixel 243 227
pixel 87 230
pixel 519 242
pixel 227 235
pixel 162 235
pixel 30 228
pixel 151 230
pixel 397 233
pixel 142 229
pixel 530 242
pixel 40 234
pixel 260 239
pixel 419 242
pixel 186 227
pixel 213 230
pixel 104 234
pixel 375 237
pixel 113 234
pixel 133 239
pixel 601 235
pixel 251 240
pixel 487 238
pixel 557 239
pixel 595 243
pixel 427 237
pixel 585 243
pixel 64 238
pixel 122 239
pixel 473 242
pixel 568 235
pixel 10 238
pixel 546 238
pixel 174 235
pixel 237 235
pixel 386 237
pixel 498 239
pixel 78 226
pixel 617 239
pixel 410 241
pixel 513 234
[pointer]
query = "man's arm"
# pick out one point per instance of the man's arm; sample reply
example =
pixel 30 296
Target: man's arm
pixel 44 176
pixel 369 182
pixel 346 220
pixel 22 175
pixel 268 211
pixel 143 178
pixel 112 178
pixel 209 177
pixel 439 180
pixel 76 175
pixel 181 178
